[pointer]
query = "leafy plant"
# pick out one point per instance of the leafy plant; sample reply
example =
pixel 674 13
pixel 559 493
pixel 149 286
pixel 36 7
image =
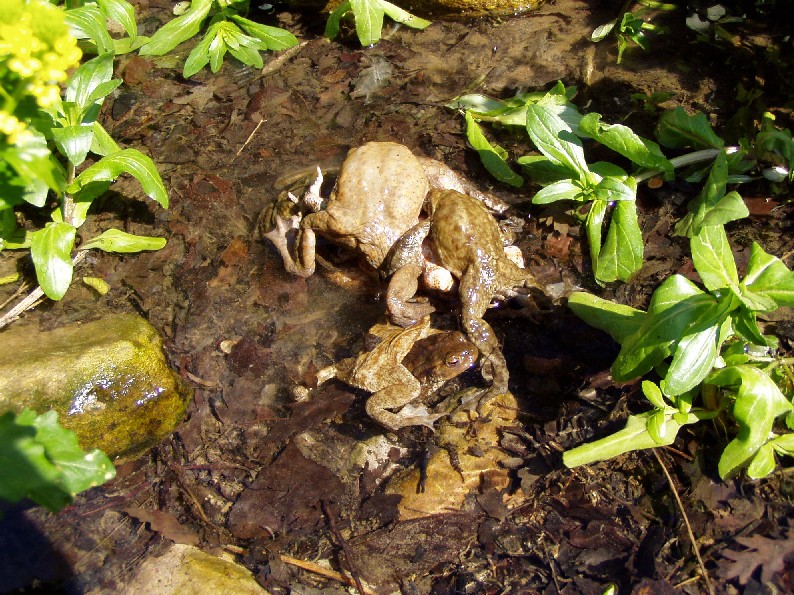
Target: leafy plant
pixel 88 21
pixel 41 460
pixel 71 125
pixel 556 128
pixel 631 29
pixel 368 17
pixel 227 31
pixel 697 339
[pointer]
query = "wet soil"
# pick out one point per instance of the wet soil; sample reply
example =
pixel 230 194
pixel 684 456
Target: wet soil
pixel 253 472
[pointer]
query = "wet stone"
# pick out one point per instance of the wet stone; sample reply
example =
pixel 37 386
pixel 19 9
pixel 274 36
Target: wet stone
pixel 108 380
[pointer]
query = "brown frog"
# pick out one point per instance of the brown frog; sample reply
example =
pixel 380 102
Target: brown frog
pixel 406 366
pixel 466 241
pixel 377 198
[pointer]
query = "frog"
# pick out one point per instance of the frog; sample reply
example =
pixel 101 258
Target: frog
pixel 378 197
pixel 466 241
pixel 404 369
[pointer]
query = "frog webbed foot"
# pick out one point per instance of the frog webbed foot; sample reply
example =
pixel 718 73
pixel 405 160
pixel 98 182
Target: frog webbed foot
pixel 417 415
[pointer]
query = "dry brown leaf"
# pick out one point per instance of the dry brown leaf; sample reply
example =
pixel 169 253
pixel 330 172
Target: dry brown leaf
pixel 165 524
pixel 769 554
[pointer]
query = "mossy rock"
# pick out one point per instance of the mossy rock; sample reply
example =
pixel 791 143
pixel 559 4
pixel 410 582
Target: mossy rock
pixel 108 380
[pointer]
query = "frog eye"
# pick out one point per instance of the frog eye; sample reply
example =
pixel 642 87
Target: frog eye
pixel 453 360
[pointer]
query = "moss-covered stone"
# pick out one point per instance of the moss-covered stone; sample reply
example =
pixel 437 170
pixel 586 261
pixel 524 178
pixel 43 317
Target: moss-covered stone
pixel 108 380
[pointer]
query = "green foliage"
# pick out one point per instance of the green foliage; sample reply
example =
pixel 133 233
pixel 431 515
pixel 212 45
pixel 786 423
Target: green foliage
pixel 227 31
pixel 70 124
pixel 368 16
pixel 606 191
pixel 88 23
pixel 41 460
pixel 688 336
pixel 631 29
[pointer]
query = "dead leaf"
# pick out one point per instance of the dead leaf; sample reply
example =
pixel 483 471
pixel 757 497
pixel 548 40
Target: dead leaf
pixel 165 524
pixel 769 554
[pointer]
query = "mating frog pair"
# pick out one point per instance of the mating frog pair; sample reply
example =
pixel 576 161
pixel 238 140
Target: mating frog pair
pixel 408 216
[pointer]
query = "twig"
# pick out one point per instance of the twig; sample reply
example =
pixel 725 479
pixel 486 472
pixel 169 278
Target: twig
pixel 322 571
pixel 33 297
pixel 342 542
pixel 248 140
pixel 686 523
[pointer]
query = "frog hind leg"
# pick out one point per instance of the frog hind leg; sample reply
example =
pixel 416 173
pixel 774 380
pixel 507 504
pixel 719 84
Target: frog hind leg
pixel 475 287
pixel 405 264
pixel 305 240
pixel 399 395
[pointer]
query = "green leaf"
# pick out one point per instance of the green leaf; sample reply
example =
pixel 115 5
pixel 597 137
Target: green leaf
pixel 763 463
pixel 121 12
pixel 621 254
pixel 542 170
pixel 713 259
pixel 199 57
pixel 623 140
pixel 74 142
pixel 677 130
pixel 545 129
pixel 593 225
pixel 332 25
pixel 758 402
pixel 562 190
pixel 178 30
pixel 768 280
pixel 129 161
pixel 91 82
pixel 713 206
pixel 784 444
pixel 404 17
pixel 634 436
pixel 273 38
pixel 489 156
pixel 618 320
pixel 32 160
pixel 115 240
pixel 51 251
pixel 746 327
pixel 677 307
pixel 653 394
pixel 369 20
pixel 693 359
pixel 88 22
pixel 42 461
pixel 102 143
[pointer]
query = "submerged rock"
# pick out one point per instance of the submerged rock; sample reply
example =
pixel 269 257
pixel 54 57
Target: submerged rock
pixel 187 569
pixel 108 380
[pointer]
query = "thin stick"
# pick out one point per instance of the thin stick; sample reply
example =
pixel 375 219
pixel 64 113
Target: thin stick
pixel 686 523
pixel 348 554
pixel 322 571
pixel 248 140
pixel 33 297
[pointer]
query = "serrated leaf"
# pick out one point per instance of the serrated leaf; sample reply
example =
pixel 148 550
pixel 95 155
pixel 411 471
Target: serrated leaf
pixel 178 30
pixel 489 156
pixel 115 240
pixel 677 129
pixel 51 251
pixel 545 129
pixel 624 141
pixel 618 320
pixel 758 402
pixel 129 161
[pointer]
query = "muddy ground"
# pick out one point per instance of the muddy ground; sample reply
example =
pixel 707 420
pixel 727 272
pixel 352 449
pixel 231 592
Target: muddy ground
pixel 238 474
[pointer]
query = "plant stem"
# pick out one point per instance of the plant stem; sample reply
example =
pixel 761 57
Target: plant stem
pixel 688 159
pixel 34 296
pixel 67 208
